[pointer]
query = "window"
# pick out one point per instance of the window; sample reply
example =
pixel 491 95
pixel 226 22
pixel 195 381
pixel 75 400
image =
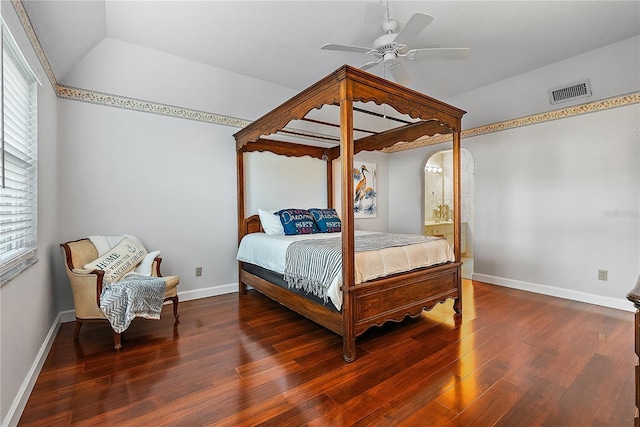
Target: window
pixel 18 180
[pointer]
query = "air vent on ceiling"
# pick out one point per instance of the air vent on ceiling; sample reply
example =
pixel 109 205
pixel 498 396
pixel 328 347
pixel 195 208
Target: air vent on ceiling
pixel 574 91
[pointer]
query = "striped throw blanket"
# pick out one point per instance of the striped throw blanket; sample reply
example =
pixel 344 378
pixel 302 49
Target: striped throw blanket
pixel 133 296
pixel 311 265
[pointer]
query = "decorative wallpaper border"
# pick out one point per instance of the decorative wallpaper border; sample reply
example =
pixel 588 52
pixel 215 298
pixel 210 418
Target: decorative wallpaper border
pixel 33 38
pixel 563 113
pixel 117 101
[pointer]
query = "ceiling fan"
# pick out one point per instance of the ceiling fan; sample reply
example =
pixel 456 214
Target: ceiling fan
pixel 392 46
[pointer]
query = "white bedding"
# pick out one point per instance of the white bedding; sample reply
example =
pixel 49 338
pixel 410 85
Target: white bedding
pixel 269 251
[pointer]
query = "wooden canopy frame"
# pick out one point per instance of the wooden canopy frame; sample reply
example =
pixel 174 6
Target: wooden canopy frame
pixel 375 302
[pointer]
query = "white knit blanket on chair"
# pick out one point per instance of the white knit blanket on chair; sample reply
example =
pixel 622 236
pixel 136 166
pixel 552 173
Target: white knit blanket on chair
pixel 133 296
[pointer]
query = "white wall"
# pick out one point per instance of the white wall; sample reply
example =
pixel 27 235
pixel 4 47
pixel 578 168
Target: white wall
pixel 612 70
pixel 27 302
pixel 570 184
pixel 557 201
pixel 125 69
pixel 171 182
pixel 275 182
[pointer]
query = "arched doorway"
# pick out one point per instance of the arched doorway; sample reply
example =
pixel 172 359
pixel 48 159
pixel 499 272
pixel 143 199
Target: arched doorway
pixel 438 201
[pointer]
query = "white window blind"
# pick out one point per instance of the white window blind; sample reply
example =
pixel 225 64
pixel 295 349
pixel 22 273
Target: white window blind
pixel 18 179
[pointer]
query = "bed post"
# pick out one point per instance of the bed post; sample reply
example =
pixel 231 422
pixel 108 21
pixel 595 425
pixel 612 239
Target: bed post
pixel 457 214
pixel 348 239
pixel 329 183
pixel 242 287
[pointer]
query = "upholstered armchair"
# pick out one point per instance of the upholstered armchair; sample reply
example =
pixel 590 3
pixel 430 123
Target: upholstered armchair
pixel 86 285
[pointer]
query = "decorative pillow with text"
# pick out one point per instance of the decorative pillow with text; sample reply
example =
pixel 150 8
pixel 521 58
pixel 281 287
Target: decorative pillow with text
pixel 297 221
pixel 327 220
pixel 119 260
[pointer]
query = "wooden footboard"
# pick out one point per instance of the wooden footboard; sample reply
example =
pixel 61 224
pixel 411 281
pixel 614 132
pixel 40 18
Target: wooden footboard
pixel 396 297
pixel 373 303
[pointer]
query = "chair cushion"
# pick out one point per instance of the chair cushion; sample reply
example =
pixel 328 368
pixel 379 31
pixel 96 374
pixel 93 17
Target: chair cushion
pixel 172 284
pixel 119 260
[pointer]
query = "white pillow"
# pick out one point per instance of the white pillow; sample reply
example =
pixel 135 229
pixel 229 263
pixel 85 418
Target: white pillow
pixel 144 268
pixel 119 260
pixel 270 222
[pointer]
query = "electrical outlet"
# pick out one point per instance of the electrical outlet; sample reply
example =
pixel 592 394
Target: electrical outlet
pixel 198 271
pixel 602 275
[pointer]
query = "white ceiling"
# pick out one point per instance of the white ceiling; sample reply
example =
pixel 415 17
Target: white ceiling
pixel 279 41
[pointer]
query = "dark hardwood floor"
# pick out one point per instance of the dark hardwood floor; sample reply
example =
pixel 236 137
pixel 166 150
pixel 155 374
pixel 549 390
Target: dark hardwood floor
pixel 513 359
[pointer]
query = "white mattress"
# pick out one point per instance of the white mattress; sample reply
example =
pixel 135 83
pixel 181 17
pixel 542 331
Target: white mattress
pixel 269 251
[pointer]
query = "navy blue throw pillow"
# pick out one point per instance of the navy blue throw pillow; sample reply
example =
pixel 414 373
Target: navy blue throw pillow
pixel 327 220
pixel 297 221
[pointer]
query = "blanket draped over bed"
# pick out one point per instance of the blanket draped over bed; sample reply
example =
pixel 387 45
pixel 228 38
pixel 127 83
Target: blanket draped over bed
pixel 311 265
pixel 133 296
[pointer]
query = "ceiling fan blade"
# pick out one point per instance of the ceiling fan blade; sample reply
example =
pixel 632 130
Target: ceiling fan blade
pixel 344 48
pixel 370 64
pixel 399 73
pixel 439 52
pixel 413 27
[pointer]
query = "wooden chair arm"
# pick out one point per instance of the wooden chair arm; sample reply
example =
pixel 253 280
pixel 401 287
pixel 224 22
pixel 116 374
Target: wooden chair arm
pixel 155 267
pixel 99 279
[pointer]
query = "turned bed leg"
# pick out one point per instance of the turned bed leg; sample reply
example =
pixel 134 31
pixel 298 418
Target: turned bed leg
pixel 242 287
pixel 349 348
pixel 457 305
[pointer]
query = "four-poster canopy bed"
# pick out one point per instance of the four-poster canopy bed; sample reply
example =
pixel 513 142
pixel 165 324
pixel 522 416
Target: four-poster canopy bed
pixel 351 91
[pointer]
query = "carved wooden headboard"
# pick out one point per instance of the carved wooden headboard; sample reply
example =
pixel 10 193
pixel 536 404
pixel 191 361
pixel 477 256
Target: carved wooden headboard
pixel 252 225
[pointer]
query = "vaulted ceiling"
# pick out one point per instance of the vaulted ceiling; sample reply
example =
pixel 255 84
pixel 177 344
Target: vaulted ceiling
pixel 280 41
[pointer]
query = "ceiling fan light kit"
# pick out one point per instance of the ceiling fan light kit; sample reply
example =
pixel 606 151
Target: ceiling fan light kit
pixel 391 46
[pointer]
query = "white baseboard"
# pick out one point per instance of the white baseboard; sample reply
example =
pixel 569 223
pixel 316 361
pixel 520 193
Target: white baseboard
pixel 67 316
pixel 208 292
pixel 617 303
pixel 15 411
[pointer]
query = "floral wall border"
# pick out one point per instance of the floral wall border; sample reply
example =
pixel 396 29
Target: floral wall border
pixel 33 38
pixel 563 113
pixel 117 101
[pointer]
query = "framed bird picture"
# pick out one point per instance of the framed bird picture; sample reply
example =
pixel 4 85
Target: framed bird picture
pixel 365 203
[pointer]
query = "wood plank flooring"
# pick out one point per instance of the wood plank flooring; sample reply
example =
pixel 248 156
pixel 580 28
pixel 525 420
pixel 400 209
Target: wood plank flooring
pixel 513 359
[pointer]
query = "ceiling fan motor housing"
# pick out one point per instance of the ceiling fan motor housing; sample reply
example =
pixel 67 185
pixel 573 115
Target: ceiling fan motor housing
pixel 389 56
pixel 387 48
